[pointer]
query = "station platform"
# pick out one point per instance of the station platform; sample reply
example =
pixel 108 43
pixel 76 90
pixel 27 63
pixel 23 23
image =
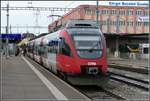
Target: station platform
pixel 23 79
pixel 142 63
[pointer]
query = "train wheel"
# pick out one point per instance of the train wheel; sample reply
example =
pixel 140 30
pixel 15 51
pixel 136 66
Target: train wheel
pixel 62 75
pixel 59 74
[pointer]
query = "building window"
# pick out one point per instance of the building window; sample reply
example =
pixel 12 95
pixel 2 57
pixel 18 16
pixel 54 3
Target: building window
pixel 103 11
pixel 103 22
pixel 107 11
pixel 111 11
pixel 146 23
pixel 146 13
pixel 115 12
pixel 114 23
pixel 121 12
pixel 110 22
pixel 90 11
pixel 93 11
pixel 138 12
pixel 138 23
pixel 87 11
pixel 124 12
pixel 121 23
pixel 129 12
pixel 130 23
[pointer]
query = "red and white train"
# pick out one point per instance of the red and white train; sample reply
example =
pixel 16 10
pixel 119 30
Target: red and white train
pixel 77 52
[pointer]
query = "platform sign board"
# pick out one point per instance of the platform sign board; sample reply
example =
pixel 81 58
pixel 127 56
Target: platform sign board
pixel 127 3
pixel 143 19
pixel 10 36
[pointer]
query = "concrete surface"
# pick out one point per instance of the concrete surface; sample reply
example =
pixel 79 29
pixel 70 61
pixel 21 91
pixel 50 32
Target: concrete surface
pixel 19 82
pixel 142 63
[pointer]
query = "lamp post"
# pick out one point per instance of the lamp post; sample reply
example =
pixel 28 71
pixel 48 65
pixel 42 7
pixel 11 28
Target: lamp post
pixel 117 38
pixel 7 31
pixel 97 13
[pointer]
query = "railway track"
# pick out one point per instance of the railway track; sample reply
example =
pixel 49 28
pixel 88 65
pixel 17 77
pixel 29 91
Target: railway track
pixel 98 93
pixel 130 78
pixel 126 68
pixel 131 81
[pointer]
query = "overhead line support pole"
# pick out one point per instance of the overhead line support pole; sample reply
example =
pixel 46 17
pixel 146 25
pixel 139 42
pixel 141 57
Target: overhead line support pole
pixel 97 13
pixel 7 31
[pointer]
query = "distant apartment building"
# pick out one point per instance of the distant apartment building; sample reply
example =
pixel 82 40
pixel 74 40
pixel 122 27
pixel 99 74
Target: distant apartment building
pixel 112 19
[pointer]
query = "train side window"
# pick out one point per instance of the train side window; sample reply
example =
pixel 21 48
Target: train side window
pixel 64 48
pixel 35 51
pixel 41 50
pixel 52 48
pixel 45 50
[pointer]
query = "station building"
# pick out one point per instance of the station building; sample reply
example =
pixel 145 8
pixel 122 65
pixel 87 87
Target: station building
pixel 120 24
pixel 131 20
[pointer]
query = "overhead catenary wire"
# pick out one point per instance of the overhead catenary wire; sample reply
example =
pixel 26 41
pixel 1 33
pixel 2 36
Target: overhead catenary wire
pixel 69 5
pixel 31 8
pixel 38 8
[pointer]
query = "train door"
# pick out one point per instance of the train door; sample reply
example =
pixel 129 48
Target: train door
pixel 51 54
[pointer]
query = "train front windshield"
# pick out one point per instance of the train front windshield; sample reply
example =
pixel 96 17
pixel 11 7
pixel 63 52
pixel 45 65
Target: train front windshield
pixel 88 46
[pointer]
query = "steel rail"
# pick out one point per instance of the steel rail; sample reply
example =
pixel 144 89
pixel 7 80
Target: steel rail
pixel 137 70
pixel 130 77
pixel 101 93
pixel 129 81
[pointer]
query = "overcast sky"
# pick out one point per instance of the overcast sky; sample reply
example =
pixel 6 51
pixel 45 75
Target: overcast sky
pixel 28 18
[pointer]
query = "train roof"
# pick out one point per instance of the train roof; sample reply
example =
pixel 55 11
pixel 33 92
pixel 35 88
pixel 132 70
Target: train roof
pixel 73 23
pixel 43 34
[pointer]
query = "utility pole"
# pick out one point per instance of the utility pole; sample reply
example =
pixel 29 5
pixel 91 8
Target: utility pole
pixel 108 25
pixel 7 31
pixel 97 13
pixel 117 38
pixel 37 22
pixel 117 23
pixel 1 44
pixel 27 28
pixel 10 30
pixel 17 28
